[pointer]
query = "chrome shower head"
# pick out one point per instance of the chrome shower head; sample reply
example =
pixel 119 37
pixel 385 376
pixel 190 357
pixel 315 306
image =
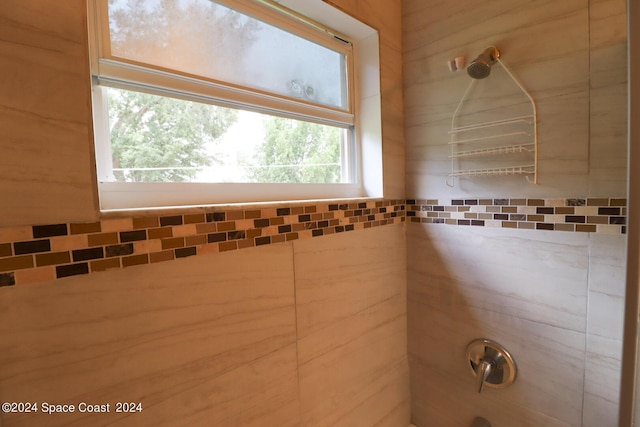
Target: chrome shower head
pixel 480 67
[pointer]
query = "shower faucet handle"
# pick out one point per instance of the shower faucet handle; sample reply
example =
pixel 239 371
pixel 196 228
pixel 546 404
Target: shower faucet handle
pixel 491 364
pixel 484 369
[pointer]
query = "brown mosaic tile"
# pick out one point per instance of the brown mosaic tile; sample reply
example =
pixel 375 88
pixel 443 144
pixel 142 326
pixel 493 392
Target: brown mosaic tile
pixel 608 211
pixel 278 238
pixel 535 218
pixel 527 225
pixel 266 240
pixel 30 247
pixel 87 254
pixel 195 240
pixel 253 232
pixel 597 219
pixel 228 246
pixel 597 202
pixel 40 231
pixel 619 220
pixel 576 202
pixel 172 243
pixel 166 221
pixel 565 210
pixel 161 256
pixel 53 258
pixel 82 228
pixel 470 215
pixel 16 263
pixel 227 226
pixel 298 210
pixel 164 232
pixel 7 279
pixel 102 239
pixel 618 202
pixel 565 227
pixel 234 215
pixel 588 228
pixel 208 227
pixel 133 236
pixel 544 226
pixel 509 209
pixel 518 202
pixel 485 202
pixel 292 236
pixel 72 270
pixel 145 222
pixel 185 252
pixel 129 261
pixel 575 219
pixel 494 209
pixel 5 249
pixel 194 218
pixel 252 214
pixel 310 209
pixel 119 250
pixel 216 216
pixel 245 243
pixel 105 264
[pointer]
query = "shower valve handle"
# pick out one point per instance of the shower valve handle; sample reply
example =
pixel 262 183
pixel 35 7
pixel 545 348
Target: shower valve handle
pixel 485 368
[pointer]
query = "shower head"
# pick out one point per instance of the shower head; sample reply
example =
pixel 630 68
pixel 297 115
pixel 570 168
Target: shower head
pixel 480 68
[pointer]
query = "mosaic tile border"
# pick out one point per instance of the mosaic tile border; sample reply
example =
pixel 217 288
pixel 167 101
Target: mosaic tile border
pixel 41 253
pixel 594 215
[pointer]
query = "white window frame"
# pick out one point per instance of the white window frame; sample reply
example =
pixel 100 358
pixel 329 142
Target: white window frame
pixel 363 112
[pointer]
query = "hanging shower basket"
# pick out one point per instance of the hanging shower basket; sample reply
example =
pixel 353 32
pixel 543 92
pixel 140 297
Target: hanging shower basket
pixel 505 144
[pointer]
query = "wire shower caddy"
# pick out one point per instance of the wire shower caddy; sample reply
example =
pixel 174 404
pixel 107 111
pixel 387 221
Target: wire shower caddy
pixel 497 142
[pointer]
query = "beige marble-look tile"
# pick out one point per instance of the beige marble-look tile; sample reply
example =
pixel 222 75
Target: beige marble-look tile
pixel 45 96
pixel 438 338
pixel 602 381
pixel 607 273
pixel 539 276
pixel 351 310
pixel 355 371
pixel 175 336
pixel 342 274
pixel 449 402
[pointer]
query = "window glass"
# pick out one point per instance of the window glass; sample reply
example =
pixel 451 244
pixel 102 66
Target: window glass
pixel 204 38
pixel 163 139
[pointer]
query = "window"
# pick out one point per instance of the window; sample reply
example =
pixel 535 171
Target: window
pixel 226 101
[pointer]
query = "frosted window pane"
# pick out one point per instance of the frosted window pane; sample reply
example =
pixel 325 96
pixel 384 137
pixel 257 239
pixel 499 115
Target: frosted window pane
pixel 203 38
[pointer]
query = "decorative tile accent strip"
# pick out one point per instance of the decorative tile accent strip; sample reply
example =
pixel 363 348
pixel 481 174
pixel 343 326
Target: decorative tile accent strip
pixel 580 215
pixel 46 252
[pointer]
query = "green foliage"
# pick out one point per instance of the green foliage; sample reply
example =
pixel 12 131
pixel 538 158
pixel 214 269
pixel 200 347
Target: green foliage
pixel 150 131
pixel 297 152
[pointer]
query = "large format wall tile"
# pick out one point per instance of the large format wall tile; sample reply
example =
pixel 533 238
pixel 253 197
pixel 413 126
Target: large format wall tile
pixel 351 310
pixel 535 275
pixel 209 342
pixel 524 289
pixel 607 266
pixel 45 167
pixel 608 117
pixel 545 45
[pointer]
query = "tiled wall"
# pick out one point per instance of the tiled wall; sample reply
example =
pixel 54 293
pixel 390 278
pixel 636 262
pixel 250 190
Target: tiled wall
pixel 553 298
pixel 306 330
pixel 309 332
pixel 40 253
